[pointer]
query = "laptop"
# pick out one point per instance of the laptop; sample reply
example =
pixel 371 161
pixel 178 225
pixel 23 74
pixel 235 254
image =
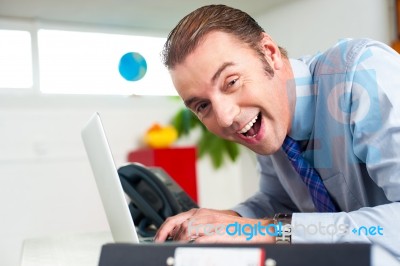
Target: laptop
pixel 108 183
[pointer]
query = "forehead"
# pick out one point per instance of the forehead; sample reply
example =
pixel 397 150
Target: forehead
pixel 212 50
pixel 217 41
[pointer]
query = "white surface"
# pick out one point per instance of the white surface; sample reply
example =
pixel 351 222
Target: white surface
pixel 141 14
pixel 380 256
pixel 217 256
pixel 84 250
pixel 63 250
pixel 309 26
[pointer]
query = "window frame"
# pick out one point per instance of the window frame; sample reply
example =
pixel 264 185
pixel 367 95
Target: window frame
pixel 33 26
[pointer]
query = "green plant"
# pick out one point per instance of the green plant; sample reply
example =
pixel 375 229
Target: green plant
pixel 184 121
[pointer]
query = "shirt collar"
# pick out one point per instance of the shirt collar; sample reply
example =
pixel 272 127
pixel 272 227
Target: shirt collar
pixel 304 111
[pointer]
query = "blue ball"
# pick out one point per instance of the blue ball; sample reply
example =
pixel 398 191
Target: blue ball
pixel 132 66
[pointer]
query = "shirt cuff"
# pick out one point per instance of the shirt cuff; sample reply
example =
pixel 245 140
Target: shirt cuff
pixel 315 228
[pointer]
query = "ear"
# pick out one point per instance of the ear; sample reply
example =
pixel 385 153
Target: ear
pixel 271 52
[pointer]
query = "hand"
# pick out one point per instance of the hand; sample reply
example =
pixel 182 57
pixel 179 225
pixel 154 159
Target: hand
pixel 214 226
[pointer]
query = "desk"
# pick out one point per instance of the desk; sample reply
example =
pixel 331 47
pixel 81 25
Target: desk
pixel 85 249
pixel 73 250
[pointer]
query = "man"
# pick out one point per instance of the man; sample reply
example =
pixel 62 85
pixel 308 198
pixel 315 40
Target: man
pixel 326 130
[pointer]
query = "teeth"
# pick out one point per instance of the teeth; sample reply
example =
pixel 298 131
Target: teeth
pixel 248 126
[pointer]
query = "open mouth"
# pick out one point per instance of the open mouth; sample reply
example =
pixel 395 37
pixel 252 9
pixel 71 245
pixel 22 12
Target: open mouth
pixel 252 128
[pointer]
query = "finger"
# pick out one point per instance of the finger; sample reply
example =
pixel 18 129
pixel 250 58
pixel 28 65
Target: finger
pixel 203 223
pixel 170 223
pixel 190 227
pixel 172 227
pixel 178 234
pixel 212 238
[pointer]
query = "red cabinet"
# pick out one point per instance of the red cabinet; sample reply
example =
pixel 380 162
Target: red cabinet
pixel 179 163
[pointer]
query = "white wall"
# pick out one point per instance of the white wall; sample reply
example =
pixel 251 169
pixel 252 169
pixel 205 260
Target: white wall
pixel 230 184
pixel 308 26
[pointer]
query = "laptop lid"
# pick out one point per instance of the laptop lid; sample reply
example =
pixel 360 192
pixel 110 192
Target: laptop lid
pixel 108 182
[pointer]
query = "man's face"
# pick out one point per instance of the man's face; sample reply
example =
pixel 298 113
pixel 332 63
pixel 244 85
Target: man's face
pixel 224 82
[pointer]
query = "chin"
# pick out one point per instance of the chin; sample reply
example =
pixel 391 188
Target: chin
pixel 270 146
pixel 265 150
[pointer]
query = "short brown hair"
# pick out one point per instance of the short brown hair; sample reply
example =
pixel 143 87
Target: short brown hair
pixel 185 37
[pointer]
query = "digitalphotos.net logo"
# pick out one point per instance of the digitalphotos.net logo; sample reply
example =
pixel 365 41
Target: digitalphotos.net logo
pixel 251 230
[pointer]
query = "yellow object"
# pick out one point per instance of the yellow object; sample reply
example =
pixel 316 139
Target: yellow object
pixel 160 137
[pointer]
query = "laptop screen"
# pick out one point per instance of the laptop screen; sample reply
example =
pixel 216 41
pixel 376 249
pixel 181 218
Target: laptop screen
pixel 108 182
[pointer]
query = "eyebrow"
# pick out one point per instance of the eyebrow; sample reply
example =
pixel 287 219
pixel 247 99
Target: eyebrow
pixel 220 69
pixel 216 75
pixel 190 101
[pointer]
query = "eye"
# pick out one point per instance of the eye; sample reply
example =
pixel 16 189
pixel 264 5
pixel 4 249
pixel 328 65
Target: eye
pixel 231 82
pixel 201 108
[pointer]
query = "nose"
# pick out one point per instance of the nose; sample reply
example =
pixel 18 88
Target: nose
pixel 225 112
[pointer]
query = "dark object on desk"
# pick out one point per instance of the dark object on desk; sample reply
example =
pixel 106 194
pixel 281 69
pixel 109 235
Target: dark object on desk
pixel 299 254
pixel 154 196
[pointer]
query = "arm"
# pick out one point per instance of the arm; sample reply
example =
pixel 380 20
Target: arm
pixel 377 225
pixel 214 226
pixel 376 143
pixel 270 199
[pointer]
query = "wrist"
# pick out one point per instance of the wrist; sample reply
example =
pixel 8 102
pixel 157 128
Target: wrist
pixel 231 212
pixel 283 223
pixel 267 232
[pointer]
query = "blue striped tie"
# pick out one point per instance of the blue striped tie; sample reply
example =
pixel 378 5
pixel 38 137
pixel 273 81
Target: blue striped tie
pixel 310 176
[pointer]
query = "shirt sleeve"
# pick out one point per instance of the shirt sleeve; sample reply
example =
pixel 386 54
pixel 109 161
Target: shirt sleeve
pixel 376 138
pixel 376 143
pixel 376 225
pixel 271 197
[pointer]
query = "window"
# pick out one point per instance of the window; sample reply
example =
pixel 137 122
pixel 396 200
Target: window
pixel 46 58
pixel 72 62
pixel 15 59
